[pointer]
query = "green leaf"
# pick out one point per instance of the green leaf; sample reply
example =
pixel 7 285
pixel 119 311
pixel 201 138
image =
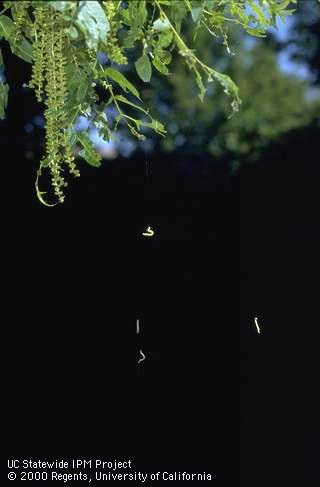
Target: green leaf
pixel 101 123
pixel 154 124
pixel 6 27
pixel 136 14
pixel 88 152
pixel 23 48
pixel 129 37
pixel 62 6
pixel 142 13
pixel 72 136
pixel 4 90
pixel 123 99
pixel 122 81
pixel 255 32
pixel 160 66
pixel 73 32
pixel 144 68
pixel 135 17
pixel 210 4
pixel 259 13
pixel 197 10
pixel 230 88
pixel 78 83
pixel 178 12
pixel 165 57
pixel 165 39
pixel 92 21
pixel 200 84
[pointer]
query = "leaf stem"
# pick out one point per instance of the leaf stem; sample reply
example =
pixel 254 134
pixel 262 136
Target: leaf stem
pixel 204 66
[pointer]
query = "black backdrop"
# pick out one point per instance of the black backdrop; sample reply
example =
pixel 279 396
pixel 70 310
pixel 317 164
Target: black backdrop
pixel 80 274
pixel 280 238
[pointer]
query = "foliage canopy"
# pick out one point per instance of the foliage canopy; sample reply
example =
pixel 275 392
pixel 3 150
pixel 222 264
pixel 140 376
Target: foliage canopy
pixel 79 49
pixel 273 103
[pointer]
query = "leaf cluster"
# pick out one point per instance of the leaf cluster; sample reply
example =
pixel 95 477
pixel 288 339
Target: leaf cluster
pixel 147 34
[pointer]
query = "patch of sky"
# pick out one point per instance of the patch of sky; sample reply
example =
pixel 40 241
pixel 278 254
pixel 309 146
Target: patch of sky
pixel 82 123
pixel 282 34
pixel 285 63
pixel 102 58
pixel 99 141
pixel 106 148
pixel 125 146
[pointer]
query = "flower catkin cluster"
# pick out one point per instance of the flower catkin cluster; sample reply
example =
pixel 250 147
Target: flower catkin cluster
pixel 20 18
pixel 114 51
pixel 49 83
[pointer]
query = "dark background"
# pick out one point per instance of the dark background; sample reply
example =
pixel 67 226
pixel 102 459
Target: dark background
pixel 279 275
pixel 80 274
